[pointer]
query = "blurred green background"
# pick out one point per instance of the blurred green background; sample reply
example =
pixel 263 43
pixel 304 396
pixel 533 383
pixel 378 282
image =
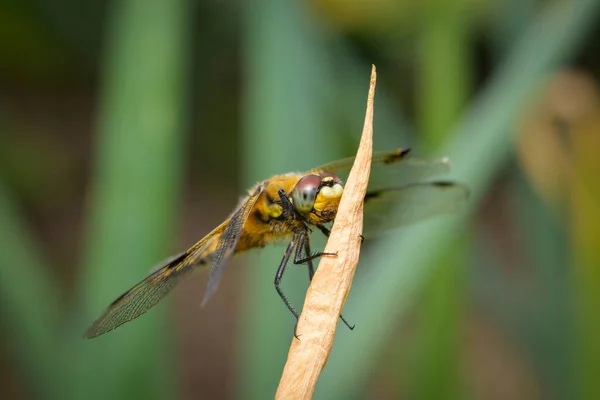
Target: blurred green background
pixel 129 129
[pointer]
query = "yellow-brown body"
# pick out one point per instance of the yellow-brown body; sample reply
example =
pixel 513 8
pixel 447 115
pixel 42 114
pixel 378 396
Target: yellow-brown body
pixel 267 225
pixel 283 208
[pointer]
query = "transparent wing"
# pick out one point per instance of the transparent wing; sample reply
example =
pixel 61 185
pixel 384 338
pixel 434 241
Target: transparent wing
pixel 141 297
pixel 395 207
pixel 147 293
pixel 391 169
pixel 228 242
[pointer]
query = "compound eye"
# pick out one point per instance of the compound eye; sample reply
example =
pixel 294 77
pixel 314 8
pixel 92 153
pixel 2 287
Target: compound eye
pixel 305 193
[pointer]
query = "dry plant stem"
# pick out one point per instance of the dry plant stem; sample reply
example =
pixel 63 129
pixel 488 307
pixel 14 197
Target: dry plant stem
pixel 330 286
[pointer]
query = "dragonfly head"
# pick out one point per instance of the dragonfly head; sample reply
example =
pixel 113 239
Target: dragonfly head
pixel 320 193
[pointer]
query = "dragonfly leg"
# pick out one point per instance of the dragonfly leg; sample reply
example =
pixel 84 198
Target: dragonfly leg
pixel 286 203
pixel 302 245
pixel 303 242
pixel 290 210
pixel 279 275
pixel 309 257
pixel 327 232
pixel 324 229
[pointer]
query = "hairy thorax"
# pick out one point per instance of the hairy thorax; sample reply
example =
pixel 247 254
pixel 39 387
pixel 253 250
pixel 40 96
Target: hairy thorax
pixel 269 222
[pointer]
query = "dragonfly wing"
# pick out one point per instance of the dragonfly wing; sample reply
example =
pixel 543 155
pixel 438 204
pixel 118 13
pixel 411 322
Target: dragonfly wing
pixel 141 297
pixel 154 287
pixel 343 166
pixel 228 242
pixel 395 207
pixel 391 168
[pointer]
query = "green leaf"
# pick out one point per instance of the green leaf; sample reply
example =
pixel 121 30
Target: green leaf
pixel 29 301
pixel 284 130
pixel 135 193
pixel 479 148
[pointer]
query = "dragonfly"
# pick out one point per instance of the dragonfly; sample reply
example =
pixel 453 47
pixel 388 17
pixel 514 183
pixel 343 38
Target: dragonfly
pixel 287 208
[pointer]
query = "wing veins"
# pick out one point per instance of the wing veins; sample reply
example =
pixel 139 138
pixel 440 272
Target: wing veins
pixel 395 207
pixel 391 166
pixel 228 242
pixel 141 297
pixel 153 288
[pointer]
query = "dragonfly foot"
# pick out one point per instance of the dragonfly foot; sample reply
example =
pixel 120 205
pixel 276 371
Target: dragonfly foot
pixel 296 331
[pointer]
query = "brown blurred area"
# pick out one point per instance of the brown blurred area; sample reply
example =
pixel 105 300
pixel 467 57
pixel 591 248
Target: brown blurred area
pixel 50 76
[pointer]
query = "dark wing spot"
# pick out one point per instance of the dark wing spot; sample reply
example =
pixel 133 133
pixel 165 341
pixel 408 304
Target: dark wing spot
pixel 396 155
pixel 443 183
pixel 119 299
pixel 172 264
pixel 372 195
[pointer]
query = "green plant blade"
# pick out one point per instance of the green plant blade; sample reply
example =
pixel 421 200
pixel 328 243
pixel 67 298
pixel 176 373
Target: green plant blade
pixel 479 148
pixel 29 302
pixel 134 196
pixel 284 125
